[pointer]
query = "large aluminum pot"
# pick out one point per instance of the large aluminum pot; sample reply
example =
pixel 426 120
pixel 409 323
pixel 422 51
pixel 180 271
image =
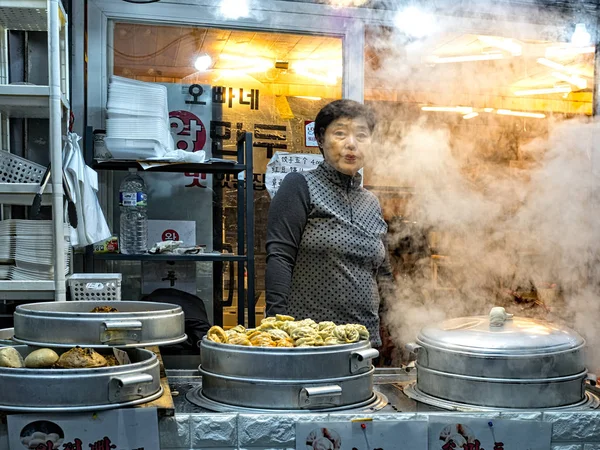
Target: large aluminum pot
pixel 287 378
pixel 71 390
pixel 282 363
pixel 517 363
pixel 66 324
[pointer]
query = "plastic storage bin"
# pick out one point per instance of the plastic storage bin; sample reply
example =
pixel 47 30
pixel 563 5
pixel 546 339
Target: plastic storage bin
pixel 95 286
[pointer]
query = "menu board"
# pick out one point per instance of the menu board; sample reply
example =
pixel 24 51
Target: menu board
pixel 283 163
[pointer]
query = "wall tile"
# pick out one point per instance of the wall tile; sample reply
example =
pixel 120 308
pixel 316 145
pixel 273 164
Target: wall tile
pixel 574 426
pixel 271 431
pixel 174 431
pixel 212 431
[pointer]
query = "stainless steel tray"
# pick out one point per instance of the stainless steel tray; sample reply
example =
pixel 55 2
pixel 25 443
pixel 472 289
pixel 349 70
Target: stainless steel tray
pixel 72 390
pixel 66 324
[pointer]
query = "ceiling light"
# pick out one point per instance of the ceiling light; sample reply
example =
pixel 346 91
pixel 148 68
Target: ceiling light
pixel 488 110
pixel 456 109
pixel 415 22
pixel 575 81
pixel 470 115
pixel 508 112
pixel 556 66
pixel 562 52
pixel 505 44
pixel 202 63
pixel 554 90
pixel 581 37
pixel 234 9
pixel 312 69
pixel 246 64
pixel 465 58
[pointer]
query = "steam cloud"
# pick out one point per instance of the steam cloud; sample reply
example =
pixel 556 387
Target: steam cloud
pixel 512 203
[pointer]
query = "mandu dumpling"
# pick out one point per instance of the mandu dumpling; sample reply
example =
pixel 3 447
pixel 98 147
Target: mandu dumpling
pixel 239 339
pixel 271 325
pixel 346 334
pixel 285 331
pixel 278 334
pixel 284 318
pixel 326 326
pixel 261 339
pixel 303 332
pixel 309 341
pixel 217 334
pixel 287 342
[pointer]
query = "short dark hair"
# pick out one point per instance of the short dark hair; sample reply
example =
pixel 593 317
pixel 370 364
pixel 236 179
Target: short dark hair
pixel 338 109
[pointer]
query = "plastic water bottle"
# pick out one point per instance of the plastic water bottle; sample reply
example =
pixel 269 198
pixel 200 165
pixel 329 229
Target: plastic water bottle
pixel 133 198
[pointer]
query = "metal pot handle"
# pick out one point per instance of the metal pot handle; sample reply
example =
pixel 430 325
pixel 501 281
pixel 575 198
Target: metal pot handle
pixel 320 396
pixel 128 387
pixel 361 359
pixel 413 348
pixel 121 331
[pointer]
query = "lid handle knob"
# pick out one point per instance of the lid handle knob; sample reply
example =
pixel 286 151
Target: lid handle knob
pixel 498 316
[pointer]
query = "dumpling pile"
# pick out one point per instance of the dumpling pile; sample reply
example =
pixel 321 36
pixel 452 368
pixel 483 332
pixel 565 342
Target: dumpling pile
pixel 285 331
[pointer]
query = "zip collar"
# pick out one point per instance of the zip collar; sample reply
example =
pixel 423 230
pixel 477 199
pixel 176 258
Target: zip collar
pixel 338 178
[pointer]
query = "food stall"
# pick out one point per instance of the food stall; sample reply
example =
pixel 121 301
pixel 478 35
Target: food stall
pixel 494 341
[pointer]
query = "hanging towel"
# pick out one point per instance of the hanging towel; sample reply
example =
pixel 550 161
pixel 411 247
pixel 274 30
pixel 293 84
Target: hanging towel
pixel 82 180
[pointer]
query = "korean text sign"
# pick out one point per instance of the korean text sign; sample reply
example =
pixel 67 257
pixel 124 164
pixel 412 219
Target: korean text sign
pixel 118 429
pixel 283 163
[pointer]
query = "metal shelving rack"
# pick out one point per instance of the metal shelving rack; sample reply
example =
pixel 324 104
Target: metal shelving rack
pixel 32 101
pixel 245 226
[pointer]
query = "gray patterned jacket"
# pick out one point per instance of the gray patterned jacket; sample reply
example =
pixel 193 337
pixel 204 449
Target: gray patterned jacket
pixel 325 250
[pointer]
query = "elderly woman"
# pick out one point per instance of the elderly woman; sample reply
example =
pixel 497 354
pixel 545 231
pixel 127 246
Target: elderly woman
pixel 325 248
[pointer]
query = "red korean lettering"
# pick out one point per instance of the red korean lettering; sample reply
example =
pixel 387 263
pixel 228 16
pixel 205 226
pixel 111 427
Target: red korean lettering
pixel 75 445
pixel 450 445
pixel 196 179
pixel 103 444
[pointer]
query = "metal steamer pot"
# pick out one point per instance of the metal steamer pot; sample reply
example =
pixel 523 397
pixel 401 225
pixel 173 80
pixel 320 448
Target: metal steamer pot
pixel 72 390
pixel 517 363
pixel 299 378
pixel 66 324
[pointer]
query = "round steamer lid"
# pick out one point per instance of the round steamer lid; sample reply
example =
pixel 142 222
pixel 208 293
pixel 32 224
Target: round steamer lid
pixel 66 324
pixel 517 336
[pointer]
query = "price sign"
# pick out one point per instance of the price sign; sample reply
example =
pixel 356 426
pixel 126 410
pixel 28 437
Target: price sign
pixel 283 163
pixel 456 433
pixel 362 435
pixel 135 429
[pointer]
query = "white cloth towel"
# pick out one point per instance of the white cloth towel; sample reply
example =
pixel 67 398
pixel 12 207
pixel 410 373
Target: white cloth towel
pixel 83 184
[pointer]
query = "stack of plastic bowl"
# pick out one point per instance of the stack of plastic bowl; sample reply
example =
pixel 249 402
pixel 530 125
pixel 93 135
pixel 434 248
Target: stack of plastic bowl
pixel 138 119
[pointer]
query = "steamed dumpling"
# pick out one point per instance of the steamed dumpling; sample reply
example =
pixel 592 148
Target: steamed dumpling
pixel 10 357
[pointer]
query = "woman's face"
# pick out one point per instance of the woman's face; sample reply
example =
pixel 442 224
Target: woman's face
pixel 345 143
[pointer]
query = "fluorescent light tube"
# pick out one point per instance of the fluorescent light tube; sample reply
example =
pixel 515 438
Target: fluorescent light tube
pixel 554 90
pixel 508 112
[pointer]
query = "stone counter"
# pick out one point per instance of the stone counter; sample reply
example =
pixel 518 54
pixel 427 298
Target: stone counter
pixel 185 431
pixel 570 430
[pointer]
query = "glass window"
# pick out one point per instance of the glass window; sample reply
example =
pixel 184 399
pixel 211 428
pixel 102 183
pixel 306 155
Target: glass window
pixel 267 83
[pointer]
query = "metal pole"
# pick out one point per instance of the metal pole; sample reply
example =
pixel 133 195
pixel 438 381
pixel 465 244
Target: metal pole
pixel 55 121
pixel 240 236
pixel 596 93
pixel 250 230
